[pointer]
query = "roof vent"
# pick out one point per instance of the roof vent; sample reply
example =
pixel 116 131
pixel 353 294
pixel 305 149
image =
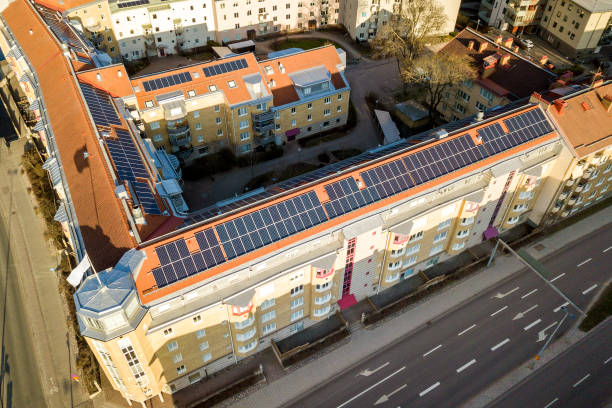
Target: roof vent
pixel 508 42
pixel 31 31
pixel 441 134
pixel 98 76
pixel 483 46
pixel 85 154
pixel 504 59
pixel 119 73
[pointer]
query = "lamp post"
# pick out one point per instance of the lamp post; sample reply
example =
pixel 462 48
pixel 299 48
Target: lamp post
pixel 567 314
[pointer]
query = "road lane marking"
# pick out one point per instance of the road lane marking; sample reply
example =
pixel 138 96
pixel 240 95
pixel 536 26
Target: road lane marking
pixel 466 330
pixel 385 397
pixel 581 380
pixel 583 262
pixel 520 315
pixel 500 295
pixel 551 402
pixel 530 325
pixel 560 307
pixel 530 293
pixel 500 310
pixel 432 350
pixel 542 333
pixel 557 277
pixel 498 345
pixel 608 360
pixel 589 289
pixel 372 386
pixel 425 391
pixel 607 249
pixel 367 372
pixel 466 365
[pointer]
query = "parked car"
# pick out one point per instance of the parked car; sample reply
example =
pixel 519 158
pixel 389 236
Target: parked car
pixel 525 43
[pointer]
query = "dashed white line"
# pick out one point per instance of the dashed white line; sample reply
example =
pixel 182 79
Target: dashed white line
pixel 607 249
pixel 551 402
pixel 581 380
pixel 466 365
pixel 584 292
pixel 426 390
pixel 557 277
pixel 583 262
pixel 466 330
pixel 500 310
pixel 530 293
pixel 608 360
pixel 432 350
pixel 372 386
pixel 498 345
pixel 556 309
pixel 530 325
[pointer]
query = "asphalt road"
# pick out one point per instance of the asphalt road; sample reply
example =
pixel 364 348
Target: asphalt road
pixel 20 384
pixel 469 348
pixel 580 377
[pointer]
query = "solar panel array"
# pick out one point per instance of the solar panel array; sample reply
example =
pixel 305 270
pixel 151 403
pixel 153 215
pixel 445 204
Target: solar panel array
pixel 273 223
pixel 165 82
pixel 100 106
pixel 176 262
pixel 225 67
pixel 132 3
pixel 270 224
pixel 61 28
pixel 129 165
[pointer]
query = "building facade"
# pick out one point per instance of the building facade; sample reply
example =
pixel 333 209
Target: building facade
pixel 241 103
pixel 502 76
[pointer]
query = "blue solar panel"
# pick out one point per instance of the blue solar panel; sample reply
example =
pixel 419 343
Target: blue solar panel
pixel 167 81
pixel 225 67
pixel 100 106
pixel 146 197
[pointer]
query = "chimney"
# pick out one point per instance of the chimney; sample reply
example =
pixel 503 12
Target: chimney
pixel 470 45
pixel 607 103
pixel 543 59
pixel 516 48
pixel 508 42
pixel 504 59
pixel 483 46
pixel 499 39
pixel 560 104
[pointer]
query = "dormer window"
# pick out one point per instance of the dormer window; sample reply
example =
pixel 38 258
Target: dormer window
pixel 149 104
pixel 212 88
pixel 268 70
pixel 191 93
pixel 231 84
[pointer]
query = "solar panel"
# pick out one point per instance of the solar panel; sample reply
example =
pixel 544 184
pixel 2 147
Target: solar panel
pixel 167 81
pixel 100 106
pixel 225 67
pixel 132 3
pixel 146 197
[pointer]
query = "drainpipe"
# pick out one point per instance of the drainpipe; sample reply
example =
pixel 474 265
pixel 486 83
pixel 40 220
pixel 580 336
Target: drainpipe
pixel 384 262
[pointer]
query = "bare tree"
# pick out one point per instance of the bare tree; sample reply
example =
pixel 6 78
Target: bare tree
pixel 406 33
pixel 433 74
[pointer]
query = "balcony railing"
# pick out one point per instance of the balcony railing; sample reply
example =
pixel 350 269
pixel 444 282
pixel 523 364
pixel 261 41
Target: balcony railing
pixel 263 128
pixel 262 117
pixel 178 131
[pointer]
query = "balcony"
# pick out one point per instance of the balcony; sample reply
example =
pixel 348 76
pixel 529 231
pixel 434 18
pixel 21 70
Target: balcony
pixel 572 201
pixel 556 209
pixel 262 117
pixel 563 195
pixel 565 214
pixel 263 128
pixel 178 131
pixel 579 188
pixel 569 183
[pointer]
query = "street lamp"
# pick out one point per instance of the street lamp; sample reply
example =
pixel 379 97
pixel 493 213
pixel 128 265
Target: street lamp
pixel 564 308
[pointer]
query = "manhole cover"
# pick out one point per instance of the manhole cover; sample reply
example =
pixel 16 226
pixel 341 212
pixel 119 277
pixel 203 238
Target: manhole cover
pixel 539 247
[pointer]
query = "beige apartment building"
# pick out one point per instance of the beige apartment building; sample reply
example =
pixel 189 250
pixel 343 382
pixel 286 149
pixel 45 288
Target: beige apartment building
pixel 502 76
pixel 240 103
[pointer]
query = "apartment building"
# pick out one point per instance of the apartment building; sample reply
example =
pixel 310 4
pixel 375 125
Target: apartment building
pixel 503 76
pixel 576 27
pixel 363 18
pixel 240 103
pixel 523 16
pixel 491 13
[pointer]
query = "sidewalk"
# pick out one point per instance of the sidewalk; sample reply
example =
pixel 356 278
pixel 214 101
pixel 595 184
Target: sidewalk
pixel 367 342
pixel 34 258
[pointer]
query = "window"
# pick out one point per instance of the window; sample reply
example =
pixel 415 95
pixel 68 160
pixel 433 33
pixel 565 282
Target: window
pixel 268 303
pixel 277 115
pixel 440 237
pixel 154 125
pixel 322 312
pixel 458 245
pixel 513 220
pixel 268 328
pixel 392 277
pixel 108 362
pixel 436 249
pixel 519 207
pixel 168 331
pixel 266 317
pixel 298 314
pixel 277 126
pixel 231 84
pixel 203 346
pixel 322 286
pixel 217 108
pixel 467 221
pixel 410 261
pixel 327 100
pixel 293 111
pixel 310 106
pixel 416 237
pixel 309 117
pixel 322 299
pixel 181 369
pixel 177 358
pixel 444 224
pixel 463 233
pixel 244 124
pixel 297 302
pixel 297 290
pixel 206 357
pixel 339 97
pixel 242 111
pixel 526 195
pixel 459 107
pixel 463 95
pixel 245 136
pixel 158 137
pixel 413 249
pixel 219 132
pixel 133 362
pixel 200 333
pixel 244 323
pixel 296 327
pixel 486 94
pixel 173 345
pixel 198 126
pixel 338 108
pixel 212 88
pixel 247 347
pixel 246 335
pixel 431 262
pixel 326 112
pixel 394 265
pixel 397 252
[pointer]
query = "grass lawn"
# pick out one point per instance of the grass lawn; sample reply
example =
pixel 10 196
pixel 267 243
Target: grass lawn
pixel 303 43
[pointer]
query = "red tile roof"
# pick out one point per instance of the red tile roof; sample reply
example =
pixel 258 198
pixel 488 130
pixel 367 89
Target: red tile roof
pixel 516 79
pixel 145 281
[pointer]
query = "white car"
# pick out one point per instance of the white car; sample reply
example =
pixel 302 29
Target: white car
pixel 526 43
